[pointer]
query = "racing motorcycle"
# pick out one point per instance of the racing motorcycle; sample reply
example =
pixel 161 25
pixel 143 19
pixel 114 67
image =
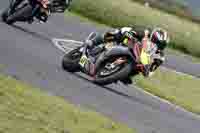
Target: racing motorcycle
pixel 106 63
pixel 27 10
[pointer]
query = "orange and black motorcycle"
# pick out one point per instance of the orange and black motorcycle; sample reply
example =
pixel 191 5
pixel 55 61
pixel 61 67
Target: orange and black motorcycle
pixel 106 63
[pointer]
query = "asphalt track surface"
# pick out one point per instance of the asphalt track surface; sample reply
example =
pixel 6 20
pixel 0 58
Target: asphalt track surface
pixel 27 54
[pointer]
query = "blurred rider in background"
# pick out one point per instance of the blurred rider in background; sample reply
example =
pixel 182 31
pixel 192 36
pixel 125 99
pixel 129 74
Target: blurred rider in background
pixel 44 12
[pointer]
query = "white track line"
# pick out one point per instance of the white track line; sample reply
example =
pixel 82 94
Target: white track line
pixel 70 44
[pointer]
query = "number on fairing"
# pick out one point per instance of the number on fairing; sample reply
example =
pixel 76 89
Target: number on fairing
pixel 83 60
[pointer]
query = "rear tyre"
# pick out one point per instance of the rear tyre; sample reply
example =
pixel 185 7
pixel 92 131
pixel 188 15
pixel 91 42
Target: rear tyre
pixel 120 74
pixel 71 60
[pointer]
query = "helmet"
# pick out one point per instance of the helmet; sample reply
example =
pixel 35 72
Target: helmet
pixel 160 37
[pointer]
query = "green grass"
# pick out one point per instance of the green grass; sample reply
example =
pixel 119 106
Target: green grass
pixel 83 19
pixel 177 7
pixel 184 34
pixel 182 90
pixel 24 109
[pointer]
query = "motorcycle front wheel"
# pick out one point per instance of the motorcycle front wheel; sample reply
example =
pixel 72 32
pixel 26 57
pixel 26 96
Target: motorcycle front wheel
pixel 71 60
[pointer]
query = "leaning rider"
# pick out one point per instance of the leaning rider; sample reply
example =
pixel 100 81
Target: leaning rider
pixel 44 12
pixel 158 36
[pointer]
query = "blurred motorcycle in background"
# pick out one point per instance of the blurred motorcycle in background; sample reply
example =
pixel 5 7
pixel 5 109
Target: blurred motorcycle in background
pixel 27 10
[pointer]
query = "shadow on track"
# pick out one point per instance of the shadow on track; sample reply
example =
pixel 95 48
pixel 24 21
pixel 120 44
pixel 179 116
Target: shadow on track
pixel 106 87
pixel 119 93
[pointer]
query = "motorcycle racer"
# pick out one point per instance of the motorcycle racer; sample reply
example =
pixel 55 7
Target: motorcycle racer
pixel 40 13
pixel 154 41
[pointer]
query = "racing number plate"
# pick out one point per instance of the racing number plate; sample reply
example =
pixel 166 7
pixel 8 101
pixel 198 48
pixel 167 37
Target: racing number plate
pixel 83 60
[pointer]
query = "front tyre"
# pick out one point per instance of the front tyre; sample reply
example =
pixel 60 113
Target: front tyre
pixel 71 60
pixel 105 76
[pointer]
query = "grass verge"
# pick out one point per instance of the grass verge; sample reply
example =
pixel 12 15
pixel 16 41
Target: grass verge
pixel 84 19
pixel 182 90
pixel 175 7
pixel 184 34
pixel 24 109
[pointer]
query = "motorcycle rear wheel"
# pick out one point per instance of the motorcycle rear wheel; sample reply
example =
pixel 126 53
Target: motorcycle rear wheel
pixel 119 74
